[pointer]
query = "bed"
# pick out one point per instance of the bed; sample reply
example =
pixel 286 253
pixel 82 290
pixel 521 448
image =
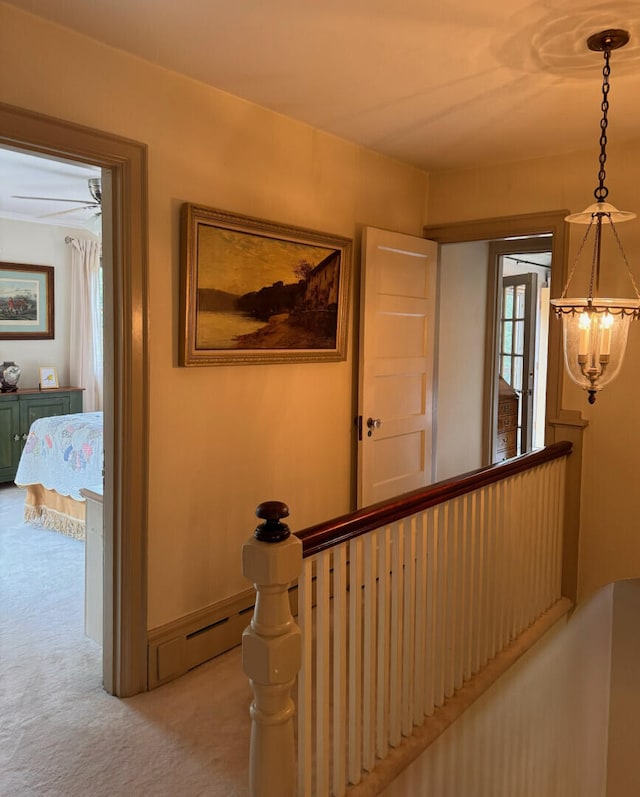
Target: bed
pixel 62 455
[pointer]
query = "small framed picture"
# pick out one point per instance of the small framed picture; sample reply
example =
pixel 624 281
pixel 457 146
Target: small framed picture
pixel 48 378
pixel 26 302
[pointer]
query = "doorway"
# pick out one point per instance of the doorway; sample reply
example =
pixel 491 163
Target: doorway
pixel 517 343
pixel 465 392
pixel 125 360
pixel 50 213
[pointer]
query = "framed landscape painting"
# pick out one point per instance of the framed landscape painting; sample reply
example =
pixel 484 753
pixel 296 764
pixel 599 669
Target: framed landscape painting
pixel 26 302
pixel 254 291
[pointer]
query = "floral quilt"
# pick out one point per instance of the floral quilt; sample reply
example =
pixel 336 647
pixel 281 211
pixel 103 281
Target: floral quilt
pixel 64 453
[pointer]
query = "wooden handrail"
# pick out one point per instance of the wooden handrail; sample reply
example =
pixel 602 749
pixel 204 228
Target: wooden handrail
pixel 346 527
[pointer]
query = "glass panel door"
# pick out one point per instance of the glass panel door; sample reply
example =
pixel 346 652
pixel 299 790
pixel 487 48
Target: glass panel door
pixel 516 348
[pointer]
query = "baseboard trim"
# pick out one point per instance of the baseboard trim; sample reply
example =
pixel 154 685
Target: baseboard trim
pixel 179 646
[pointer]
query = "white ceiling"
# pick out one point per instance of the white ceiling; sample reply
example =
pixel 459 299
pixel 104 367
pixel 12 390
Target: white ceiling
pixel 437 84
pixel 54 183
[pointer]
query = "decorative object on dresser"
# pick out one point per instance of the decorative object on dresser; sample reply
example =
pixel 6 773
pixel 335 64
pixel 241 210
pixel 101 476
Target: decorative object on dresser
pixel 9 376
pixel 19 409
pixel 63 454
pixel 48 377
pixel 506 442
pixel 26 302
pixel 253 291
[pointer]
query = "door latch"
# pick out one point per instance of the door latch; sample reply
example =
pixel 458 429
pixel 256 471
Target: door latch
pixel 373 423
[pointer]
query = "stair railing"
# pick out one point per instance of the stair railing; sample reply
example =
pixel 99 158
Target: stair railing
pixel 400 606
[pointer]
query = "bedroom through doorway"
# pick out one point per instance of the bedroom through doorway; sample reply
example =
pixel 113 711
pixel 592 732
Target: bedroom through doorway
pixel 50 216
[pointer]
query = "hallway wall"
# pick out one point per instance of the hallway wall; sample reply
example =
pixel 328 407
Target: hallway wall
pixel 610 543
pixel 623 769
pixel 463 276
pixel 223 439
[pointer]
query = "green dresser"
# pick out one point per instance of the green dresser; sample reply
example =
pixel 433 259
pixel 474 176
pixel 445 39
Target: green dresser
pixel 19 410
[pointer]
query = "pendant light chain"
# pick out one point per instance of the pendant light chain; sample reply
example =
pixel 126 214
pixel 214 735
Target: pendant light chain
pixel 602 191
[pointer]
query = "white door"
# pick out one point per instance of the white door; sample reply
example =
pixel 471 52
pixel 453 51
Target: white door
pixel 397 325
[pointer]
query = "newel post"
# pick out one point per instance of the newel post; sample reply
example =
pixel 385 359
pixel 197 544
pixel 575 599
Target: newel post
pixel 271 652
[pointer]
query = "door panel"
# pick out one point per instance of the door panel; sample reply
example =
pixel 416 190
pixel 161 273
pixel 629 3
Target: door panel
pixel 396 364
pixel 396 458
pixel 402 394
pixel 33 409
pixel 10 447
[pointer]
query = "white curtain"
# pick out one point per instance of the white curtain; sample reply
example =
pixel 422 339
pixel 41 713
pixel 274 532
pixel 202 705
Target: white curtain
pixel 85 348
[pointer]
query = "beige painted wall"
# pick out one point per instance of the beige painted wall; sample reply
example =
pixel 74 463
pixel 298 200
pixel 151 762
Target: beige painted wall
pixel 462 282
pixel 610 534
pixel 223 439
pixel 623 770
pixel 542 728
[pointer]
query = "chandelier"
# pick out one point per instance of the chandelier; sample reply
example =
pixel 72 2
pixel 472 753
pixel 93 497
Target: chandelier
pixel 595 329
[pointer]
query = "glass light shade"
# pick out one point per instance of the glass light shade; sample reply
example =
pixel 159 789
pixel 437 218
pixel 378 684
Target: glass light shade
pixel 595 330
pixel 605 210
pixel 595 338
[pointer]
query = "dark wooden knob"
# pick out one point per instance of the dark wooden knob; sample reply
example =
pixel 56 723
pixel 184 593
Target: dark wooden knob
pixel 272 530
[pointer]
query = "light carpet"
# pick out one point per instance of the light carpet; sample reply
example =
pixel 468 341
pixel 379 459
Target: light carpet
pixel 61 735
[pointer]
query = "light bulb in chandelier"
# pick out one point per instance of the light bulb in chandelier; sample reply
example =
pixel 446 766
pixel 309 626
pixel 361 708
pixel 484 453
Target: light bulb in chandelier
pixel 595 339
pixel 595 329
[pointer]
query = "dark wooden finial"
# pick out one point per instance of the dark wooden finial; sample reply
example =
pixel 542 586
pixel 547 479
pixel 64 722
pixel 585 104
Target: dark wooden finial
pixel 272 530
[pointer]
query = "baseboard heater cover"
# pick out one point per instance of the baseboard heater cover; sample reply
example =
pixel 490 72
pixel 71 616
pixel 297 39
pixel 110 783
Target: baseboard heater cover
pixel 177 647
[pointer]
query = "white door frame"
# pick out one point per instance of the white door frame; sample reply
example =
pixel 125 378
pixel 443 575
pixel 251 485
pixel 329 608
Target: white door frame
pixel 126 380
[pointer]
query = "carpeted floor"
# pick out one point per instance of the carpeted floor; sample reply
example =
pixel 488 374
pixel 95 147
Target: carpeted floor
pixel 61 735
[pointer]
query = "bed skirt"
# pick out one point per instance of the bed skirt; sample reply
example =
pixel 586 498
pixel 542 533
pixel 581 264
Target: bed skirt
pixel 48 509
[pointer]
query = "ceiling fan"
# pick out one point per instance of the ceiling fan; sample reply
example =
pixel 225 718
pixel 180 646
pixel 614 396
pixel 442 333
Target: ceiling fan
pixel 95 189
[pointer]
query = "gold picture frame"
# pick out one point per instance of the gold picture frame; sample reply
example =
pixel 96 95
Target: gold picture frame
pixel 48 377
pixel 255 291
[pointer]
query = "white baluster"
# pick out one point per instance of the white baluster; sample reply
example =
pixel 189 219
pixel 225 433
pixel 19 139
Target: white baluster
pixel 420 619
pixel 383 634
pixel 408 625
pixel 305 680
pixel 323 690
pixel 339 670
pixel 440 574
pixel 430 630
pixel 395 659
pixel 355 661
pixel 369 650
